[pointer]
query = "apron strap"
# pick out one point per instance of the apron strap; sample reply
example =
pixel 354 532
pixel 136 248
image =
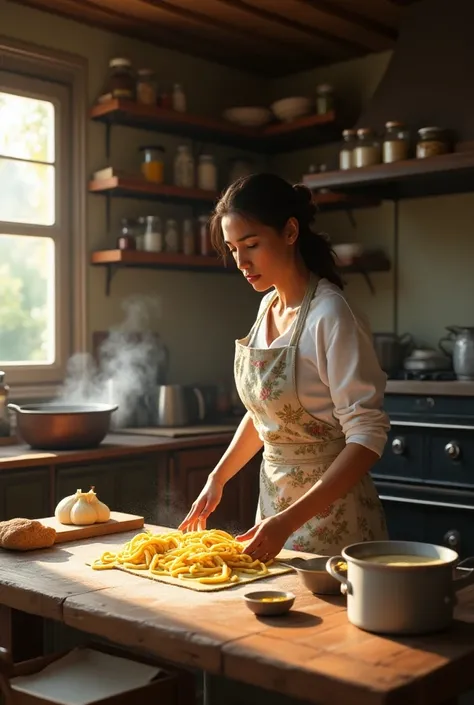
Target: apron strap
pixel 303 312
pixel 262 316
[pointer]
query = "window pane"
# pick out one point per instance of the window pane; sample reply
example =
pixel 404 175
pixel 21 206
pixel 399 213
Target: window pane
pixel 27 312
pixel 26 192
pixel 26 128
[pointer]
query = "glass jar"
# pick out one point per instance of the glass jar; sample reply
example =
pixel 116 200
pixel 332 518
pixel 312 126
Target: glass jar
pixel 324 99
pixel 147 88
pixel 153 237
pixel 4 414
pixel 153 165
pixel 431 142
pixel 366 148
pixel 395 143
pixel 207 173
pixel 239 168
pixel 178 98
pixel 126 239
pixel 205 246
pixel 171 236
pixel 188 237
pixel 346 154
pixel 184 167
pixel 140 233
pixel 120 80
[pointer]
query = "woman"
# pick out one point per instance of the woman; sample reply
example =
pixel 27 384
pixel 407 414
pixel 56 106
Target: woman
pixel 308 376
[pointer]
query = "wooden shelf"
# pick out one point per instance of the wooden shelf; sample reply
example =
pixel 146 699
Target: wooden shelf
pixel 304 132
pixel 334 200
pixel 129 187
pixel 413 178
pixel 136 259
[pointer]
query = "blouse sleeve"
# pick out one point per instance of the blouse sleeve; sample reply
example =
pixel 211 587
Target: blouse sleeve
pixel 348 365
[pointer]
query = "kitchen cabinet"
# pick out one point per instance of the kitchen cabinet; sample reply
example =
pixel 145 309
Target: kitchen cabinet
pixel 189 470
pixel 25 493
pixel 138 486
pixel 103 476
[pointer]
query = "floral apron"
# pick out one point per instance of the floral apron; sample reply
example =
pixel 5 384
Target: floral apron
pixel 299 448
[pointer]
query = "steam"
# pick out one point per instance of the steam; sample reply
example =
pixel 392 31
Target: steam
pixel 128 368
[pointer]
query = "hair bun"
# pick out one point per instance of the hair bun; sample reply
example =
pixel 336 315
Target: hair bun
pixel 304 202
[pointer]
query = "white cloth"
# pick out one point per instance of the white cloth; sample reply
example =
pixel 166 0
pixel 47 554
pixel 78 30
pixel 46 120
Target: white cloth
pixel 338 376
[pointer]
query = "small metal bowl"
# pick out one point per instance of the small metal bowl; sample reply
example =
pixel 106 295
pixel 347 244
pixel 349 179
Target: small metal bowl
pixel 314 576
pixel 253 600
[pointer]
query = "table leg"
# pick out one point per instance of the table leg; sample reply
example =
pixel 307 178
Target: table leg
pixel 21 633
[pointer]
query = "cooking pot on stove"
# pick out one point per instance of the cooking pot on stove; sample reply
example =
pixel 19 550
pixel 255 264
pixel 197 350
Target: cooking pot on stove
pixel 400 587
pixel 174 405
pixel 426 360
pixel 391 350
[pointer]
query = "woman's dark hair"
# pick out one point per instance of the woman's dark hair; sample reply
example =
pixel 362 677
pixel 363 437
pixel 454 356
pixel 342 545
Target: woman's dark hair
pixel 272 201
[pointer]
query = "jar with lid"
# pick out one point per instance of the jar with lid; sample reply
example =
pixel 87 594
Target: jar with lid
pixel 239 167
pixel 366 148
pixel 4 415
pixel 126 239
pixel 178 98
pixel 153 164
pixel 171 236
pixel 120 81
pixel 346 153
pixel 184 167
pixel 188 237
pixel 147 88
pixel 324 99
pixel 207 173
pixel 431 142
pixel 205 245
pixel 395 142
pixel 153 237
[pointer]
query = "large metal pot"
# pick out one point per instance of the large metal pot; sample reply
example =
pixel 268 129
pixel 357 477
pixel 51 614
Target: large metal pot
pixel 63 426
pixel 391 350
pixel 460 344
pixel 394 599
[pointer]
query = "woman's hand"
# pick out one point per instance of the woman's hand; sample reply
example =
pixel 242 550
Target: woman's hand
pixel 266 538
pixel 204 505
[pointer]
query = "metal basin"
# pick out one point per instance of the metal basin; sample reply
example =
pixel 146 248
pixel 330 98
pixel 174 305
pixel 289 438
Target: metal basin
pixel 63 426
pixel 314 576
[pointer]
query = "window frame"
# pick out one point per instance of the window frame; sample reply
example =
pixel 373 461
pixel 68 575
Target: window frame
pixel 30 69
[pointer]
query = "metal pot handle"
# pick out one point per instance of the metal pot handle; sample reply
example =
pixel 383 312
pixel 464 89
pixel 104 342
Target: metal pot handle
pixel 461 583
pixel 14 407
pixel 346 586
pixel 446 345
pixel 201 403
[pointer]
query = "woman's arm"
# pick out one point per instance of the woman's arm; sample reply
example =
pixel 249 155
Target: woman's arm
pixel 242 448
pixel 244 445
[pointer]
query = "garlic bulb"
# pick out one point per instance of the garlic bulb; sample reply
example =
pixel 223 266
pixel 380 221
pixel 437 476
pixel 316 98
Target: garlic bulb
pixel 82 509
pixel 102 510
pixel 83 512
pixel 63 509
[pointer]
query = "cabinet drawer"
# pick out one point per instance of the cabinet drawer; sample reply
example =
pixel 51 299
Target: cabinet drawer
pixel 451 453
pixel 404 455
pixel 25 493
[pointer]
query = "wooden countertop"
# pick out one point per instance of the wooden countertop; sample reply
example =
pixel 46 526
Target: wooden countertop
pixel 312 653
pixel 114 445
pixel 410 386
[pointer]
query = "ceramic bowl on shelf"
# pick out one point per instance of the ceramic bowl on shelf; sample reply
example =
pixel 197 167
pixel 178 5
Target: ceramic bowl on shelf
pixel 288 109
pixel 269 603
pixel 248 116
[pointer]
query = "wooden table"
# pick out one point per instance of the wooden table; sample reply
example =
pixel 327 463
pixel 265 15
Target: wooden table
pixel 312 653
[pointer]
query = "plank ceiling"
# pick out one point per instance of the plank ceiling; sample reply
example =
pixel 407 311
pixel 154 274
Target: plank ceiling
pixel 271 37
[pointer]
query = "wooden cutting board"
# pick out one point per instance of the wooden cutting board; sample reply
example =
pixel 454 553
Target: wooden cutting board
pixel 275 569
pixel 117 523
pixel 181 431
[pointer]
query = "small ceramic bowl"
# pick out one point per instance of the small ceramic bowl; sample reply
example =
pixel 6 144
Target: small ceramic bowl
pixel 314 576
pixel 269 602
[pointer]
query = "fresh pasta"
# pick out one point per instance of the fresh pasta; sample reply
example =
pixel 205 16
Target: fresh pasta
pixel 210 557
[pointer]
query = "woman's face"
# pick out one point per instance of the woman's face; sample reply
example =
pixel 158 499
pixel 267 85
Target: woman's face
pixel 263 255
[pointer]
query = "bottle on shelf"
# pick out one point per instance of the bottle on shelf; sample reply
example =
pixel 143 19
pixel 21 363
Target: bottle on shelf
pixel 184 168
pixel 171 236
pixel 207 173
pixel 178 98
pixel 153 237
pixel 153 163
pixel 188 237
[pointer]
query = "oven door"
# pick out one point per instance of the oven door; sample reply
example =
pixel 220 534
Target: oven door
pixel 435 515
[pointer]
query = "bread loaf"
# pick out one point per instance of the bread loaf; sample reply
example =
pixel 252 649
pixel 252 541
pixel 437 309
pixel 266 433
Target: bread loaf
pixel 25 535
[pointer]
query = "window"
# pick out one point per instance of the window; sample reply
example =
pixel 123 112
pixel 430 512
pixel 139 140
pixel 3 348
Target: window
pixel 36 300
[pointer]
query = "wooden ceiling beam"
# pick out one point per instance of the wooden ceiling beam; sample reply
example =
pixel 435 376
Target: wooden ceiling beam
pixel 349 45
pixel 247 36
pixel 330 7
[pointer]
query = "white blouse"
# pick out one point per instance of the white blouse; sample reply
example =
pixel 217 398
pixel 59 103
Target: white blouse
pixel 338 376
